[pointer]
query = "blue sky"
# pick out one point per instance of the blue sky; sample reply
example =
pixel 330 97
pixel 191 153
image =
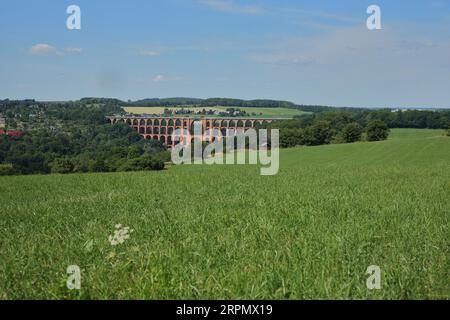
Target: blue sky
pixel 310 52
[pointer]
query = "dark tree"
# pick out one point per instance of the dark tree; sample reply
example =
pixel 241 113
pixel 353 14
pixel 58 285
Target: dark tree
pixel 377 130
pixel 352 132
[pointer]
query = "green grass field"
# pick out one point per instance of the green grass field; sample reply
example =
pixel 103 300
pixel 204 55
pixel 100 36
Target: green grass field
pixel 226 232
pixel 260 112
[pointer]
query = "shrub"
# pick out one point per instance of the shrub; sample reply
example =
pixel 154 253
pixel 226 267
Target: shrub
pixel 7 170
pixel 352 132
pixel 142 164
pixel 62 166
pixel 291 137
pixel 377 130
pixel 98 165
pixel 30 164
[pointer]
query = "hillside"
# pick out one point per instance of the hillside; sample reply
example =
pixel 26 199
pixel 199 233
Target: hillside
pixel 226 232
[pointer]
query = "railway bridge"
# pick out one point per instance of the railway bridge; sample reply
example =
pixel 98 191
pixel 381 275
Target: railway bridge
pixel 162 128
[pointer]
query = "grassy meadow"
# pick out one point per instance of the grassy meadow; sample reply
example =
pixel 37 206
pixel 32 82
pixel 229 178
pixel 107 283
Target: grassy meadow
pixel 260 112
pixel 226 232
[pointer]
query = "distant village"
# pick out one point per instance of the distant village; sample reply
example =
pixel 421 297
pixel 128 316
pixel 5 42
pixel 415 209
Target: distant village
pixel 3 130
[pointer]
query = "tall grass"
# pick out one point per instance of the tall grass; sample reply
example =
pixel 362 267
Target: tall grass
pixel 226 232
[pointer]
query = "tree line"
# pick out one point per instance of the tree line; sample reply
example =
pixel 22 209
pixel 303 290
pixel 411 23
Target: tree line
pixel 212 102
pixel 104 148
pixel 326 128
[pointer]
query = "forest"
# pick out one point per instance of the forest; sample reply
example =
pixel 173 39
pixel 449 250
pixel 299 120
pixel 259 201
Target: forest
pixel 73 137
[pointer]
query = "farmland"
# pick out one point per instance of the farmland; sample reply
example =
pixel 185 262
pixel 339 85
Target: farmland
pixel 258 112
pixel 226 232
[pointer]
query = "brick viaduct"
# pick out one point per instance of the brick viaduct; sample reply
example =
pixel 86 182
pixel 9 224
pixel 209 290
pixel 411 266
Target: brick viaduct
pixel 162 128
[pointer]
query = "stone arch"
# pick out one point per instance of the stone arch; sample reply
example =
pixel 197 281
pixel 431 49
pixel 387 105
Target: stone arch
pixel 155 130
pixel 141 130
pixel 240 124
pixel 170 130
pixel 163 122
pixel 155 138
pixel 156 122
pixel 135 122
pixel 170 122
pixel 178 122
pixel 142 122
pixel 163 130
pixel 162 139
pixel 248 124
pixel 148 130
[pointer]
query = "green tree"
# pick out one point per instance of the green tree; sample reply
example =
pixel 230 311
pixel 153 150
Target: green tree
pixel 321 132
pixel 291 137
pixel 377 130
pixel 352 132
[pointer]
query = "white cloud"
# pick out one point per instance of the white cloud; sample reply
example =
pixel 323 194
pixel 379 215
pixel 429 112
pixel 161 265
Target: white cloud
pixel 159 78
pixel 43 50
pixel 231 6
pixel 164 78
pixel 150 53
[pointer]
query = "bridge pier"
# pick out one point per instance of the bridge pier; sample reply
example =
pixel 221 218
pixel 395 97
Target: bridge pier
pixel 162 128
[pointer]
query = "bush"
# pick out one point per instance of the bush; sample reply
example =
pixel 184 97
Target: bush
pixel 352 132
pixel 317 134
pixel 291 137
pixel 7 170
pixel 62 166
pixel 448 132
pixel 377 130
pixel 143 164
pixel 30 164
pixel 82 165
pixel 98 166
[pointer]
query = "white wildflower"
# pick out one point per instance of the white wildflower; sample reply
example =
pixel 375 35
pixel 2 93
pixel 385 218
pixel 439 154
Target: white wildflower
pixel 120 235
